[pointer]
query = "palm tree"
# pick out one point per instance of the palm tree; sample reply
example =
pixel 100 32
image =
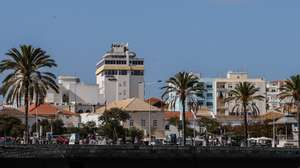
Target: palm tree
pixel 291 90
pixel 244 94
pixel 184 87
pixel 26 80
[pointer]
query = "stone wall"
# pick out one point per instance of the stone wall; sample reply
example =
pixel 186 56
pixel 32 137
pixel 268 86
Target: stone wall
pixel 166 156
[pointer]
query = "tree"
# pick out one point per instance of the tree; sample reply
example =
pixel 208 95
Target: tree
pixel 11 126
pixel 244 94
pixel 90 126
pixel 176 122
pixel 134 133
pixel 184 87
pixel 111 123
pixel 257 130
pixel 291 89
pixel 58 126
pixel 26 80
pixel 211 125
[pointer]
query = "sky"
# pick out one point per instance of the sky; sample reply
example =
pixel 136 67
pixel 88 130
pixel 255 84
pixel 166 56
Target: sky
pixel 209 37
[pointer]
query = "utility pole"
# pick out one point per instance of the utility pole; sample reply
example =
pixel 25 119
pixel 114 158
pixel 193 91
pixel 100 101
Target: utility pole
pixel 194 125
pixel 149 113
pixel 274 132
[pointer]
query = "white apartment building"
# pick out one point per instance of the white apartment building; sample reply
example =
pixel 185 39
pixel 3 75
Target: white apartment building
pixel 120 74
pixel 72 91
pixel 222 86
pixel 273 101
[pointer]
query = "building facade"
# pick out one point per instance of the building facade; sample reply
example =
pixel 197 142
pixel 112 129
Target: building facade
pixel 222 87
pixel 208 95
pixel 273 101
pixel 143 116
pixel 74 95
pixel 120 74
pixel 207 99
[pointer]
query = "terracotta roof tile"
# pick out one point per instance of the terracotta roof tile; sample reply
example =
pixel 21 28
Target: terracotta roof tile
pixel 154 100
pixel 47 110
pixel 132 105
pixel 12 112
pixel 170 114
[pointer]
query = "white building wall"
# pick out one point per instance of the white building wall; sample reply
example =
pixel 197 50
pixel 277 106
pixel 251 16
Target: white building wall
pixel 137 86
pixel 69 120
pixel 76 92
pixel 117 85
pixel 85 94
pixel 86 117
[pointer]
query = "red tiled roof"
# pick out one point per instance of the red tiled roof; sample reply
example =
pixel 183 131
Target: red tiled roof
pixel 170 114
pixel 47 109
pixel 154 100
pixel 12 112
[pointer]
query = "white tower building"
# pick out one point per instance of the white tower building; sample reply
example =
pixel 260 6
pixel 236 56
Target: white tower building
pixel 120 74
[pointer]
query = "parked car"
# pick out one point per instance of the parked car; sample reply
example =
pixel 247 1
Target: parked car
pixel 59 139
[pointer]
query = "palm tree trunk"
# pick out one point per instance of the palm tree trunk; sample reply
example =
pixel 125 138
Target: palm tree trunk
pixel 183 122
pixel 245 124
pixel 26 113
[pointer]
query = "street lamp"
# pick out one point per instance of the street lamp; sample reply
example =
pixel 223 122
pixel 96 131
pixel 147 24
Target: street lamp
pixel 194 124
pixel 149 84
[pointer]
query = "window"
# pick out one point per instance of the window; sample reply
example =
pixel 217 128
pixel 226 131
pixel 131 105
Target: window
pixel 124 83
pixel 167 127
pixel 111 72
pixel 209 103
pixel 124 92
pixel 143 123
pixel 137 72
pixel 222 86
pixel 131 123
pixel 115 62
pixel 65 98
pixel 137 62
pixel 122 72
pixel 209 95
pixel 154 123
pixel 209 86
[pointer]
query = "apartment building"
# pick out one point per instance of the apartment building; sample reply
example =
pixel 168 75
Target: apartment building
pixel 273 101
pixel 120 74
pixel 222 87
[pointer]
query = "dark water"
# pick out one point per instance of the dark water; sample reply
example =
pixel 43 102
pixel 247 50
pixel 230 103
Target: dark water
pixel 153 163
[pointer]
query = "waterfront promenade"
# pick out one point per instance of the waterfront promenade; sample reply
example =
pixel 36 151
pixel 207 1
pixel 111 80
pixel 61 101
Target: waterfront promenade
pixel 154 156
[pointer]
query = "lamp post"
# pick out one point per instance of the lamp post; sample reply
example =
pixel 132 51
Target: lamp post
pixel 274 133
pixel 149 117
pixel 194 124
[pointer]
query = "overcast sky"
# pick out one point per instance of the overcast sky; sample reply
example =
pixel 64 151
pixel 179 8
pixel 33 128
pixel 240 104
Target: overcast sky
pixel 205 36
